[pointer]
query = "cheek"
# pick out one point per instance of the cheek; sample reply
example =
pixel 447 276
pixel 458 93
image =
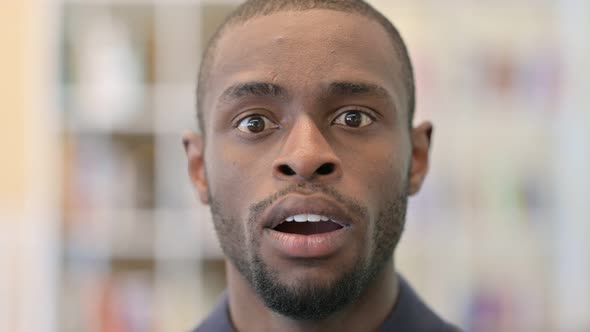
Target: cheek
pixel 235 176
pixel 380 171
pixel 393 172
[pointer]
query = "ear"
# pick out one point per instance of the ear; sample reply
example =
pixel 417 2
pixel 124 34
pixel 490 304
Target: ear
pixel 421 140
pixel 193 146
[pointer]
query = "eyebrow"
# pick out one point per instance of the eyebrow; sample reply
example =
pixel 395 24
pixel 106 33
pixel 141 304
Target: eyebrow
pixel 266 89
pixel 349 88
pixel 253 89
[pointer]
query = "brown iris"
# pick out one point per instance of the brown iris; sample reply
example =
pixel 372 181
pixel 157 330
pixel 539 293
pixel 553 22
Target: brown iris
pixel 353 119
pixel 255 124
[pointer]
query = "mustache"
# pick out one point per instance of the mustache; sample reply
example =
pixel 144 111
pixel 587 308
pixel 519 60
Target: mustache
pixel 351 205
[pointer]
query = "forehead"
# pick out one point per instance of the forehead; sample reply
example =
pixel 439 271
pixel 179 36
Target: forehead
pixel 303 49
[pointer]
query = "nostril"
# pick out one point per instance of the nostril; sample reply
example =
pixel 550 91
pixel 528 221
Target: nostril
pixel 285 169
pixel 326 169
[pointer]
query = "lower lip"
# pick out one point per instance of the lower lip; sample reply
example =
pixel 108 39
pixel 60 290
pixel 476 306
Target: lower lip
pixel 307 246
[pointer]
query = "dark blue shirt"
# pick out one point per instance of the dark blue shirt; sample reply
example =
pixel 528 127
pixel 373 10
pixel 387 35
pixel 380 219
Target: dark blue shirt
pixel 410 314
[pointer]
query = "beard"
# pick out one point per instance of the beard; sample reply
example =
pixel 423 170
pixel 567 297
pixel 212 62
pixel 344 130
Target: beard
pixel 308 299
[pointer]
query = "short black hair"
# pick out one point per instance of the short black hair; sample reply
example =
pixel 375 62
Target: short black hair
pixel 256 8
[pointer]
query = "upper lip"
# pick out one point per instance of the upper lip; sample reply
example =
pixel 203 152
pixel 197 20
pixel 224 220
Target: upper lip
pixel 297 204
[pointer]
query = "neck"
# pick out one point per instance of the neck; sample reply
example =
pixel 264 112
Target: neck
pixel 367 313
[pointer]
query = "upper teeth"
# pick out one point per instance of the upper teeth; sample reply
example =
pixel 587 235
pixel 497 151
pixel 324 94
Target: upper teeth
pixel 307 217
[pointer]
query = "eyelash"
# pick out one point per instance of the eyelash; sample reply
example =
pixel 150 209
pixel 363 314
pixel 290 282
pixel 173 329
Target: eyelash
pixel 369 113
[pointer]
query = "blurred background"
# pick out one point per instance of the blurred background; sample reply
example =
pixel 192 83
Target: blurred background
pixel 100 230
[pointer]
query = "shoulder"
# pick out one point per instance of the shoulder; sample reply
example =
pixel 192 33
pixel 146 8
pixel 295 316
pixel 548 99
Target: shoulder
pixel 412 314
pixel 452 328
pixel 218 319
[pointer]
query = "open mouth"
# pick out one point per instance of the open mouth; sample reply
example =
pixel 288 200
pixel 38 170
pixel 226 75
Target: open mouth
pixel 308 224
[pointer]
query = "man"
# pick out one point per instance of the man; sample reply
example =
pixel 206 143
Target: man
pixel 307 156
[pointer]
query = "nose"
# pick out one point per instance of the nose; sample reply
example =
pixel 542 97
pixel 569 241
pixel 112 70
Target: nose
pixel 306 155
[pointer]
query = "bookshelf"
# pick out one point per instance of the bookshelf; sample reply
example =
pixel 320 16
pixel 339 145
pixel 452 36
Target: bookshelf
pixel 136 245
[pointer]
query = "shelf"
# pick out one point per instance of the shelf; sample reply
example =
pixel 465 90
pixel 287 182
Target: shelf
pixel 133 113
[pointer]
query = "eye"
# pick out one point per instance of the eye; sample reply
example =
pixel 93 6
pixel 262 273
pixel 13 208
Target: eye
pixel 354 119
pixel 255 124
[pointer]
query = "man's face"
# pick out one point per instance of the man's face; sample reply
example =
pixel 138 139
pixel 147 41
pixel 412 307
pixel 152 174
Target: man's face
pixel 306 118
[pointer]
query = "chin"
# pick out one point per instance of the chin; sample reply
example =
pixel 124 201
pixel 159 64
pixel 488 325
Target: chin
pixel 308 293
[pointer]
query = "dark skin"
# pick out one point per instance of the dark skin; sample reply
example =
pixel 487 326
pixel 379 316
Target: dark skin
pixel 284 93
